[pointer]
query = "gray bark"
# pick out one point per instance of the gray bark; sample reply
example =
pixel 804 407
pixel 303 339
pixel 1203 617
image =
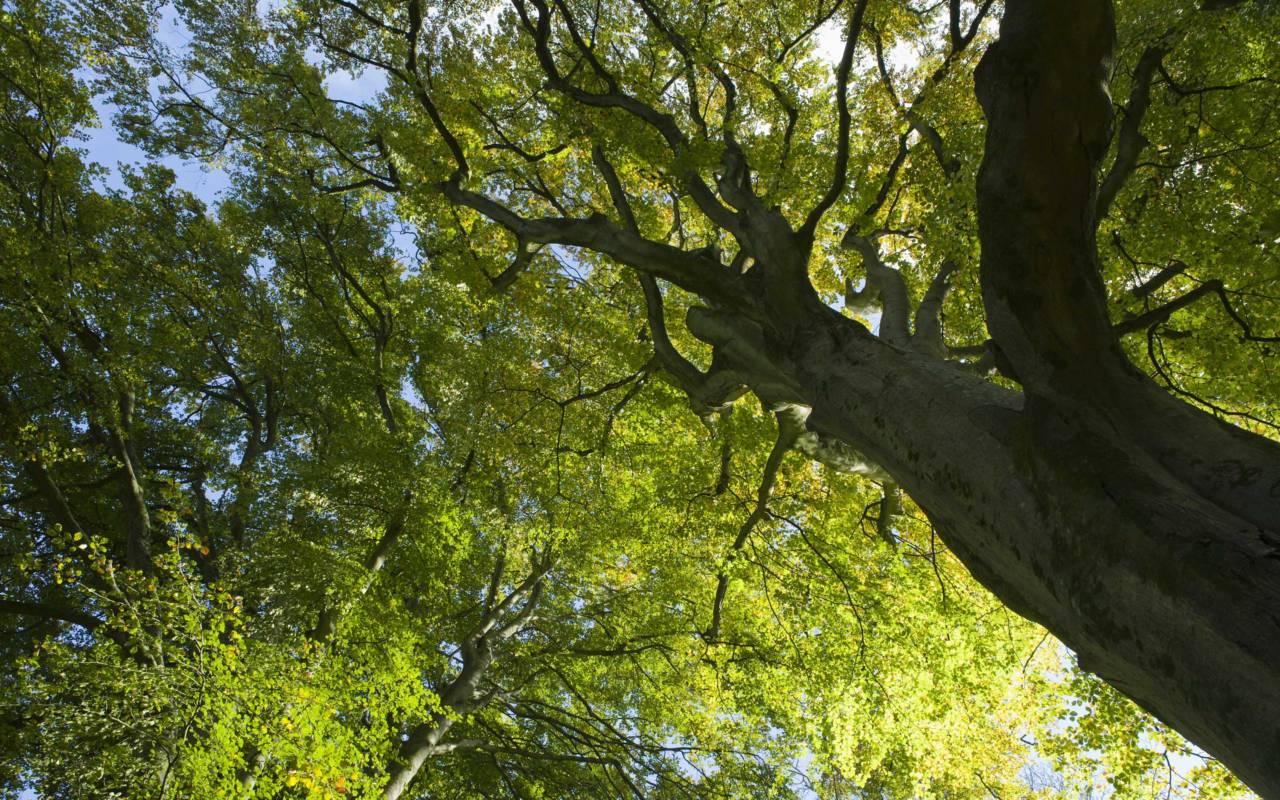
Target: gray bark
pixel 129 488
pixel 1143 533
pixel 1140 531
pixel 1159 590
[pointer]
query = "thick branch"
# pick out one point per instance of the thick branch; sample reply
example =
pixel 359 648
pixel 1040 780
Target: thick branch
pixel 915 121
pixel 616 193
pixel 661 122
pixel 1148 319
pixel 886 283
pixel 960 39
pixel 132 500
pixel 696 272
pixel 928 329
pixel 1042 88
pixel 374 561
pixel 51 494
pixel 709 391
pixel 411 75
pixel 890 509
pixel 461 695
pixel 51 611
pixel 525 251
pixel 1131 142
pixel 1171 271
pixel 840 169
pixel 1162 313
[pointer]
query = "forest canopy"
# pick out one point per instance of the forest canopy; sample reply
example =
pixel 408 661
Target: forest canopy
pixel 639 399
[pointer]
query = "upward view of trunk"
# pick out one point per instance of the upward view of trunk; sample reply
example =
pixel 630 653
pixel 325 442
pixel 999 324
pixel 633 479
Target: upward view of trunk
pixel 1143 533
pixel 1073 516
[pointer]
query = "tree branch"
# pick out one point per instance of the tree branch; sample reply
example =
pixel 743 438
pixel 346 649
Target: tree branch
pixel 1042 288
pixel 708 392
pixel 52 611
pixel 928 337
pixel 1161 314
pixel 790 426
pixel 374 561
pixel 840 170
pixel 1131 141
pixel 890 509
pixel 129 476
pixel 663 123
pixel 616 193
pixel 696 272
pixel 885 283
pixel 1171 271
pixel 460 696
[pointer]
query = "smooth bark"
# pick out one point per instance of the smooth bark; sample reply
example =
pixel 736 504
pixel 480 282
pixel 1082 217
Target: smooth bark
pixel 1140 531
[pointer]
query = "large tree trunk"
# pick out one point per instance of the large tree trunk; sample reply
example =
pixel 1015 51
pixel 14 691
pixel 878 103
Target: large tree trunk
pixel 1171 548
pixel 1067 517
pixel 1141 532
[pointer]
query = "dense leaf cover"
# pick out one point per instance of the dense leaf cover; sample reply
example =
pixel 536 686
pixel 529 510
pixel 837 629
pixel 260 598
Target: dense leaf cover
pixel 314 479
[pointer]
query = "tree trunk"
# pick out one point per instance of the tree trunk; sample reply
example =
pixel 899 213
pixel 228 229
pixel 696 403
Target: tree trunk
pixel 1140 531
pixel 1143 533
pixel 1070 521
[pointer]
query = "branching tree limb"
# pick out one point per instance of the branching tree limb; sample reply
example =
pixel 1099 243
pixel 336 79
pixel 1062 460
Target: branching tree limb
pixel 885 284
pixel 1131 141
pixel 477 652
pixel 844 121
pixel 1162 313
pixel 790 426
pixel 927 337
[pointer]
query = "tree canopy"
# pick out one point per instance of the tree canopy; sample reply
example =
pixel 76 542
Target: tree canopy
pixel 640 398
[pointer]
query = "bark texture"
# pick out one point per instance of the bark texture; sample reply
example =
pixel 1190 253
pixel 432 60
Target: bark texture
pixel 1143 533
pixel 1139 530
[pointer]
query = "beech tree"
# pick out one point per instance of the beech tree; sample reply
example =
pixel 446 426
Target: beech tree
pixel 996 277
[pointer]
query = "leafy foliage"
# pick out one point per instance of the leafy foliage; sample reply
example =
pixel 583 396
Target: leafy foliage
pixel 295 509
